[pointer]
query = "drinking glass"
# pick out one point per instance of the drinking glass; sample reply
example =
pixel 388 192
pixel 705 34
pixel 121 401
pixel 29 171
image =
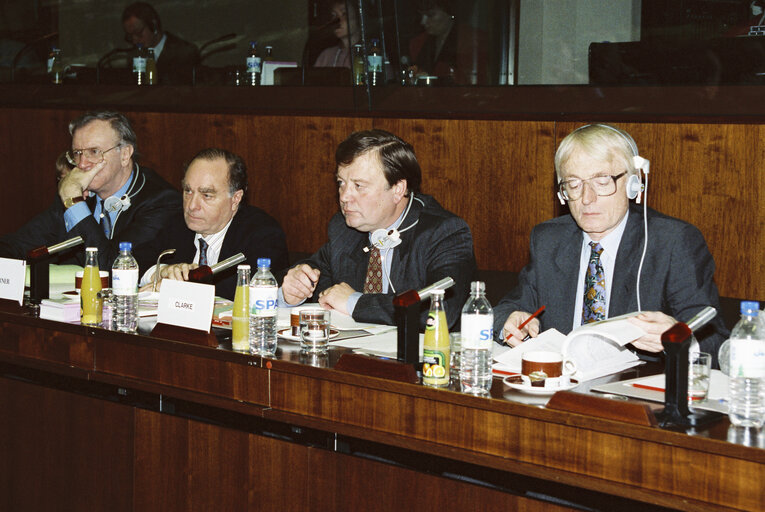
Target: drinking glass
pixel 314 330
pixel 699 372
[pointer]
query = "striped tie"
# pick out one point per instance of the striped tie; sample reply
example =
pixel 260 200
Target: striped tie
pixel 202 252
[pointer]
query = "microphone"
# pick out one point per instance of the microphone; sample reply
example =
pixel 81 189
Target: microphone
pixel 204 272
pixel 26 47
pixel 110 54
pixel 41 252
pixel 413 296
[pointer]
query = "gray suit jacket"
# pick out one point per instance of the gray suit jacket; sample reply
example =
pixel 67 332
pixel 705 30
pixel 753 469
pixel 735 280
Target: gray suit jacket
pixel 440 245
pixel 676 277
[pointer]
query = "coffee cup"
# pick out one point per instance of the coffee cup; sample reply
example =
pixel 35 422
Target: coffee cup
pixel 104 274
pixel 545 368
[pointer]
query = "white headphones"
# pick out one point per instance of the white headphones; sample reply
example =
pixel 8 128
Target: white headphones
pixel 388 239
pixel 635 184
pixel 116 204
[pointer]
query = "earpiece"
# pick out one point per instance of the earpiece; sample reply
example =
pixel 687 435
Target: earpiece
pixel 382 239
pixel 116 204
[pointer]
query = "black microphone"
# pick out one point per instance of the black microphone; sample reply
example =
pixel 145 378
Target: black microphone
pixel 26 47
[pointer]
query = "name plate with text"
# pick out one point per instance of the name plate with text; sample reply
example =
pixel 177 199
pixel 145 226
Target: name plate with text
pixel 12 275
pixel 186 304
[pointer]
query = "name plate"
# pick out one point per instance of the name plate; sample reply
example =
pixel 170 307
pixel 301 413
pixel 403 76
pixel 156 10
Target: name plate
pixel 186 304
pixel 12 275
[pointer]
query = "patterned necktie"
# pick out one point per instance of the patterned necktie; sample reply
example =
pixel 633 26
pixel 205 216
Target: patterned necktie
pixel 105 221
pixel 594 304
pixel 202 252
pixel 373 282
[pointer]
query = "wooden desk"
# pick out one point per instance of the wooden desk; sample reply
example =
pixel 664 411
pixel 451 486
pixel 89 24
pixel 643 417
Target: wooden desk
pixel 107 420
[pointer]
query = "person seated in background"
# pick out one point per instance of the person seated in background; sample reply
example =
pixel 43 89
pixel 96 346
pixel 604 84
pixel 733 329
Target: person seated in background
pixel 175 57
pixel 452 51
pixel 216 224
pixel 63 166
pixel 584 266
pixel 346 29
pixel 412 240
pixel 106 198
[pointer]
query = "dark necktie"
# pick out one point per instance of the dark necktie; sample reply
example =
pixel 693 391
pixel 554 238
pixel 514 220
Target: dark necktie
pixel 594 304
pixel 202 252
pixel 373 282
pixel 105 221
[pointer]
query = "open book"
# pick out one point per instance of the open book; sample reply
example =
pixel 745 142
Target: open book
pixel 597 349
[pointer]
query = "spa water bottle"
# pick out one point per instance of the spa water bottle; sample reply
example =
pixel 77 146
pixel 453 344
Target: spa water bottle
pixel 746 402
pixel 263 293
pixel 56 66
pixel 254 63
pixel 139 66
pixel 477 338
pixel 125 290
pixel 375 61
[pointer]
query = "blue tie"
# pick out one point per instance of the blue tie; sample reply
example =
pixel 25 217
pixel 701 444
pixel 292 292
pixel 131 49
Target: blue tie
pixel 594 304
pixel 105 221
pixel 202 252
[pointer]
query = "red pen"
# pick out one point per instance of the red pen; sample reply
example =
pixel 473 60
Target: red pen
pixel 536 313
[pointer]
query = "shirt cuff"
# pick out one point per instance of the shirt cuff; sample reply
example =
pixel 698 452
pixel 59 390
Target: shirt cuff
pixel 75 213
pixel 280 300
pixel 350 305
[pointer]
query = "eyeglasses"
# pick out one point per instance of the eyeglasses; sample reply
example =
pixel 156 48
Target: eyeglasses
pixel 131 37
pixel 603 185
pixel 92 155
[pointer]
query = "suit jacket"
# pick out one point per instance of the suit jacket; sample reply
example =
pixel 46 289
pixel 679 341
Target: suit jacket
pixel 439 245
pixel 175 63
pixel 252 232
pixel 676 277
pixel 152 202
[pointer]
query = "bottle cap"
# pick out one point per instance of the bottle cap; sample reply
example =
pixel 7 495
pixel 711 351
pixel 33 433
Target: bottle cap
pixel 243 267
pixel 91 249
pixel 477 287
pixel 264 262
pixel 126 246
pixel 750 307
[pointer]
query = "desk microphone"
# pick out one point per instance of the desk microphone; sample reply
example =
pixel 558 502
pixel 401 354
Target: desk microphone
pixel 413 296
pixel 41 252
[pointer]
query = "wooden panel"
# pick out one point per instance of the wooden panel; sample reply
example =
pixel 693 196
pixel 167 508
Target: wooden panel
pixel 189 371
pixel 535 445
pixel 48 344
pixel 187 465
pixel 62 451
pixel 374 486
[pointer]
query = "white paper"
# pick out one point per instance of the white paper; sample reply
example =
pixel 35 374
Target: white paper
pixel 186 304
pixel 12 274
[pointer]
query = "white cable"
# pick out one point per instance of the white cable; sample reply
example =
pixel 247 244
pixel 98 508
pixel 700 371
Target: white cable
pixel 645 239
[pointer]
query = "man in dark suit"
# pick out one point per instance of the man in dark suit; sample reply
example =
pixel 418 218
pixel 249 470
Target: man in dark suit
pixel 107 198
pixel 215 225
pixel 413 241
pixel 598 169
pixel 175 57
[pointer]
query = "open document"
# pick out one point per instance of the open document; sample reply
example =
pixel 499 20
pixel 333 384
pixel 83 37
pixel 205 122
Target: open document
pixel 597 349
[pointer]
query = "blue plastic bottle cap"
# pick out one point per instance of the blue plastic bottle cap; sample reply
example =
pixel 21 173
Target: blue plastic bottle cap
pixel 750 307
pixel 126 246
pixel 264 262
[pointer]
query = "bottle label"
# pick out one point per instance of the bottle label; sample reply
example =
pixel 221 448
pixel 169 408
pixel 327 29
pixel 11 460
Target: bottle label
pixel 477 331
pixel 50 64
pixel 139 65
pixel 253 64
pixel 435 367
pixel 124 281
pixel 263 300
pixel 375 63
pixel 747 358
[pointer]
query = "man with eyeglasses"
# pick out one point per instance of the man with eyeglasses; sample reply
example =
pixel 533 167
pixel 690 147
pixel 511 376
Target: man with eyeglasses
pixel 584 266
pixel 106 198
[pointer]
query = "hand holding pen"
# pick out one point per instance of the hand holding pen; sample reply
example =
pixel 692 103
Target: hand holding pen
pixel 523 324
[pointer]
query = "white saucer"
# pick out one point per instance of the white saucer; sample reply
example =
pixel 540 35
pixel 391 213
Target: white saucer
pixel 287 334
pixel 535 390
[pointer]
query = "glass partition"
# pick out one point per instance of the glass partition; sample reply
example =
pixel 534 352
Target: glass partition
pixel 393 43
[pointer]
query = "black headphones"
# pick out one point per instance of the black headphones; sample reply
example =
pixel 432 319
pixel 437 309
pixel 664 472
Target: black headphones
pixel 634 181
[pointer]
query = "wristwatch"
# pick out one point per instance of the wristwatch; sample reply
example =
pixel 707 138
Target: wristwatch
pixel 71 201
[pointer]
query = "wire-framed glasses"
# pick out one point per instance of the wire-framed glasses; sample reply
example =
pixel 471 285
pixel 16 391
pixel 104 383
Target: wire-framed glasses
pixel 603 185
pixel 92 155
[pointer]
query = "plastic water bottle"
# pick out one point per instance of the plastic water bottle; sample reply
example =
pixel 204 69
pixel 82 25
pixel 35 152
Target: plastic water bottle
pixel 263 292
pixel 56 66
pixel 477 336
pixel 375 63
pixel 254 63
pixel 125 290
pixel 747 369
pixel 139 66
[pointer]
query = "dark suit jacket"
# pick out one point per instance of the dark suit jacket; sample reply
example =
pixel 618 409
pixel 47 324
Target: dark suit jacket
pixel 153 201
pixel 252 232
pixel 676 277
pixel 440 245
pixel 175 63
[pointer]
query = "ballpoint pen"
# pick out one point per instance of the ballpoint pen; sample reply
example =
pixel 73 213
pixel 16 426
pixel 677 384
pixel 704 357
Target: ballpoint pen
pixel 529 319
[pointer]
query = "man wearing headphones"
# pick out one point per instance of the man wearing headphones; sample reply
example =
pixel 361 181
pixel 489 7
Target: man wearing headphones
pixel 175 57
pixel 585 266
pixel 387 238
pixel 216 224
pixel 106 198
